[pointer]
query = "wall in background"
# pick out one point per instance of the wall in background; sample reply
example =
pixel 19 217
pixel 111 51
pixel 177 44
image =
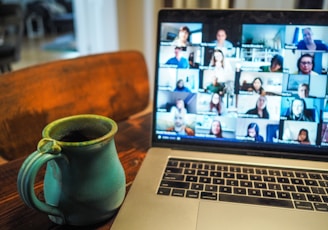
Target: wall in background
pixel 111 25
pixel 96 26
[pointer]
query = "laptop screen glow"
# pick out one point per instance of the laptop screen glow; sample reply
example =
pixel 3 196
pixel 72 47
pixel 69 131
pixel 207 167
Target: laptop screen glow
pixel 243 79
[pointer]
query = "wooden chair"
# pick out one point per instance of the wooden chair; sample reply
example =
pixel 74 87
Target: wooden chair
pixel 110 84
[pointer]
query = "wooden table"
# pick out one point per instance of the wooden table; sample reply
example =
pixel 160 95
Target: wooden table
pixel 132 142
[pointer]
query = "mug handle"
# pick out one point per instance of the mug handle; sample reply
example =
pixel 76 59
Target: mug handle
pixel 47 150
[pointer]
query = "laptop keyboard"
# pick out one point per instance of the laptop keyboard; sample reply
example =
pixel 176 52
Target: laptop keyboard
pixel 270 186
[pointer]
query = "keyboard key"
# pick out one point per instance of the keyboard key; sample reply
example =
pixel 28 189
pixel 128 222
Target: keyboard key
pixel 321 207
pixel 211 188
pixel 317 190
pixel 283 195
pixel 197 186
pixel 261 171
pixel 225 189
pixel 288 174
pixel 296 181
pixel 209 196
pixel 269 179
pixel 228 175
pixel 246 183
pixel 205 180
pixel 325 199
pixel 172 176
pixel 173 170
pixel 314 198
pixel 268 193
pixel 239 191
pixel 283 180
pixel 164 191
pixel 311 182
pixel 301 175
pixel 248 170
pixel 256 200
pixel 172 163
pixel 260 185
pixel 274 186
pixel 298 196
pixel 254 192
pixel 290 188
pixel 215 174
pixel 190 171
pixel 218 181
pixel 178 192
pixel 303 189
pixel 315 176
pixel 202 173
pixel 323 183
pixel 192 178
pixel 192 194
pixel 175 184
pixel 256 177
pixel 233 182
pixel 274 172
pixel 242 176
pixel 303 205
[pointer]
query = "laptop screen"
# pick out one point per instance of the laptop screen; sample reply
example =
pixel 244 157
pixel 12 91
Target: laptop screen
pixel 252 80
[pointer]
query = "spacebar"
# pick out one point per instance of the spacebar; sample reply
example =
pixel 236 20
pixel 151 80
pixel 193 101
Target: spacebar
pixel 256 200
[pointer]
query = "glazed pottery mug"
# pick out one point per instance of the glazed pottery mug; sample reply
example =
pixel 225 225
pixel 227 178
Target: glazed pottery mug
pixel 84 182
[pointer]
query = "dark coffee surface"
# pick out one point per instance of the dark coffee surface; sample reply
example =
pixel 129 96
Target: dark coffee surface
pixel 79 136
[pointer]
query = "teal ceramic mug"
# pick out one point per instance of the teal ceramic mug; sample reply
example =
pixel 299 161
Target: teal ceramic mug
pixel 84 182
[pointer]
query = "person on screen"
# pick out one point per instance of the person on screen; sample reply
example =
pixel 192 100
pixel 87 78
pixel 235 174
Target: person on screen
pixel 180 87
pixel 303 90
pixel 260 109
pixel 180 126
pixel 298 111
pixel 179 107
pixel 182 39
pixel 223 44
pixel 257 86
pixel 305 64
pixel 303 136
pixel 276 64
pixel 215 103
pixel 215 86
pixel 309 43
pixel 178 59
pixel 253 131
pixel 222 69
pixel 216 129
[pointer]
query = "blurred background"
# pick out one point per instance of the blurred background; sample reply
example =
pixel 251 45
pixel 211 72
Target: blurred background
pixel 59 29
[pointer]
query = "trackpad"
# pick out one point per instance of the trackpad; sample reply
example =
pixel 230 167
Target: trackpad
pixel 225 215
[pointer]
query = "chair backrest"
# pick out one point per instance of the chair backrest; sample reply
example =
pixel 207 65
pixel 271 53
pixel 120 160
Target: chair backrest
pixel 11 33
pixel 111 84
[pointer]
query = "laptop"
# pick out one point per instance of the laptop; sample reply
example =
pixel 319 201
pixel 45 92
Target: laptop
pixel 240 123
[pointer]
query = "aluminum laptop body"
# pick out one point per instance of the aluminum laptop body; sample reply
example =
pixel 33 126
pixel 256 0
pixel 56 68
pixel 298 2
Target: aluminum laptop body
pixel 240 100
